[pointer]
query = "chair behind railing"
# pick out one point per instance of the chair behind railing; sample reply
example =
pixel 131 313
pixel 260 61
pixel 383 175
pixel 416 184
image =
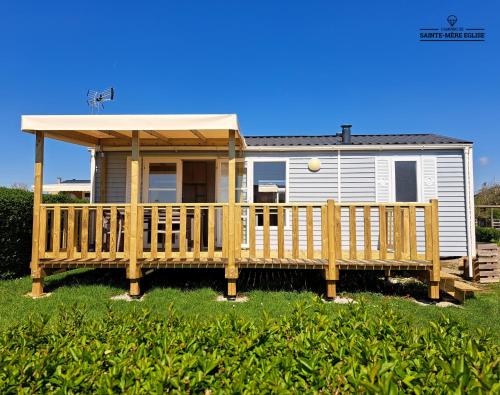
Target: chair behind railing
pixel 84 231
pixel 182 230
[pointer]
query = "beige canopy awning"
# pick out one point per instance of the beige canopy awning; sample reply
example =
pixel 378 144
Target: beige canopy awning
pixel 154 130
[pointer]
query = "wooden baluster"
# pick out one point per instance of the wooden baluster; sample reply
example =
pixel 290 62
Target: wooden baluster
pixel 225 231
pixel 397 233
pixel 338 231
pixel 324 232
pixel 352 233
pixel 428 232
pixel 310 232
pixel 98 232
pixel 42 242
pixel 126 233
pixel 211 231
pixel 413 232
pixel 382 218
pixel 281 232
pixel 64 234
pixel 405 226
pixel 197 232
pixel 70 245
pixel 154 232
pixel 368 232
pixel 267 247
pixel 237 232
pixel 168 232
pixel 295 232
pixel 112 233
pixel 182 236
pixel 251 227
pixel 140 231
pixel 56 231
pixel 85 232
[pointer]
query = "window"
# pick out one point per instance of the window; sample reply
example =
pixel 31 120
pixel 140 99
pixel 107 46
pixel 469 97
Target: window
pixel 269 186
pixel 162 183
pixel 405 178
pixel 241 182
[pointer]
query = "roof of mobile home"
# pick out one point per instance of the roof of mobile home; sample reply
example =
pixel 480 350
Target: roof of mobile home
pixel 357 139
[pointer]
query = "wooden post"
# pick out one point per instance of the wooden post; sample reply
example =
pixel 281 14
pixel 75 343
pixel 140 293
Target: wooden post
pixel 134 271
pixel 37 273
pixel 435 275
pixel 331 273
pixel 231 269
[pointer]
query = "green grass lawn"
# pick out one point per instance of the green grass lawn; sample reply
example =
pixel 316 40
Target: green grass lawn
pixel 274 293
pixel 179 339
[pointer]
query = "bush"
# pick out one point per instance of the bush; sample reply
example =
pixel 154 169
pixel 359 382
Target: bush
pixel 487 235
pixel 355 350
pixel 16 216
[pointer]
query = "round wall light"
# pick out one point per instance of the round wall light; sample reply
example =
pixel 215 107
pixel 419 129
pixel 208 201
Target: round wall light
pixel 314 164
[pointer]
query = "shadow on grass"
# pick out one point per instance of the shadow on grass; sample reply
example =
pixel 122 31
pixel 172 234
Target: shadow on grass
pixel 250 279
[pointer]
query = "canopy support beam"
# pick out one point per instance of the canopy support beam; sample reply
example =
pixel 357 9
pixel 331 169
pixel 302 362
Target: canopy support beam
pixel 199 135
pixel 37 273
pixel 159 136
pixel 231 269
pixel 134 273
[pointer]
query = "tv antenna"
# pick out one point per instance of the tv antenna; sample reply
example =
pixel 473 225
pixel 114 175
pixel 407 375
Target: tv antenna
pixel 96 99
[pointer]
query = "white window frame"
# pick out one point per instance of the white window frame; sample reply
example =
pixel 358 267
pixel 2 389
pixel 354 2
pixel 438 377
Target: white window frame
pixel 218 176
pixel 146 161
pixel 392 167
pixel 250 178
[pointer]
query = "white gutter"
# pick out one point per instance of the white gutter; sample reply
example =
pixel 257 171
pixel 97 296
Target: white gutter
pixel 469 204
pixel 339 177
pixel 92 175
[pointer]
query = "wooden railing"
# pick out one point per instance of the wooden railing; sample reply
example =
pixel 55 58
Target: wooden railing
pixel 398 231
pixel 183 230
pixel 281 230
pixel 81 231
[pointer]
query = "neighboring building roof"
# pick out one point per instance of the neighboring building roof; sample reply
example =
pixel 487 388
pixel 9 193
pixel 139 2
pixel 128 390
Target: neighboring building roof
pixel 67 186
pixel 75 181
pixel 357 139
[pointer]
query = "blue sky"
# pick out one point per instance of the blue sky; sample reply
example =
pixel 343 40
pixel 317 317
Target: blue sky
pixel 284 67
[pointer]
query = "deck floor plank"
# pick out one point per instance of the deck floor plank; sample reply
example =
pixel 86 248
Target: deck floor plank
pixel 217 262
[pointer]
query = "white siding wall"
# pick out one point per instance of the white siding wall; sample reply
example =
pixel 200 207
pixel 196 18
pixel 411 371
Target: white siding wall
pixel 116 180
pixel 451 195
pixel 358 174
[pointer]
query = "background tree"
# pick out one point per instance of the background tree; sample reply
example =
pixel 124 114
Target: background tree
pixel 488 195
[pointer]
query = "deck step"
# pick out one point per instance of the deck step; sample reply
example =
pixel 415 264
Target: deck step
pixel 452 285
pixel 466 287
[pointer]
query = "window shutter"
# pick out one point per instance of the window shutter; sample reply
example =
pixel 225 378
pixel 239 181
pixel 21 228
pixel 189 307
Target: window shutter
pixel 383 186
pixel 429 178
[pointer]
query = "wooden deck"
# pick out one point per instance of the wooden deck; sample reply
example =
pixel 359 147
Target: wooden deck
pixel 326 236
pixel 243 263
pixel 388 236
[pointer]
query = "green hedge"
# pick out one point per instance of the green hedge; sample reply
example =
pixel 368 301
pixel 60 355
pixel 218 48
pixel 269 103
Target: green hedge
pixel 487 235
pixel 355 350
pixel 16 214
